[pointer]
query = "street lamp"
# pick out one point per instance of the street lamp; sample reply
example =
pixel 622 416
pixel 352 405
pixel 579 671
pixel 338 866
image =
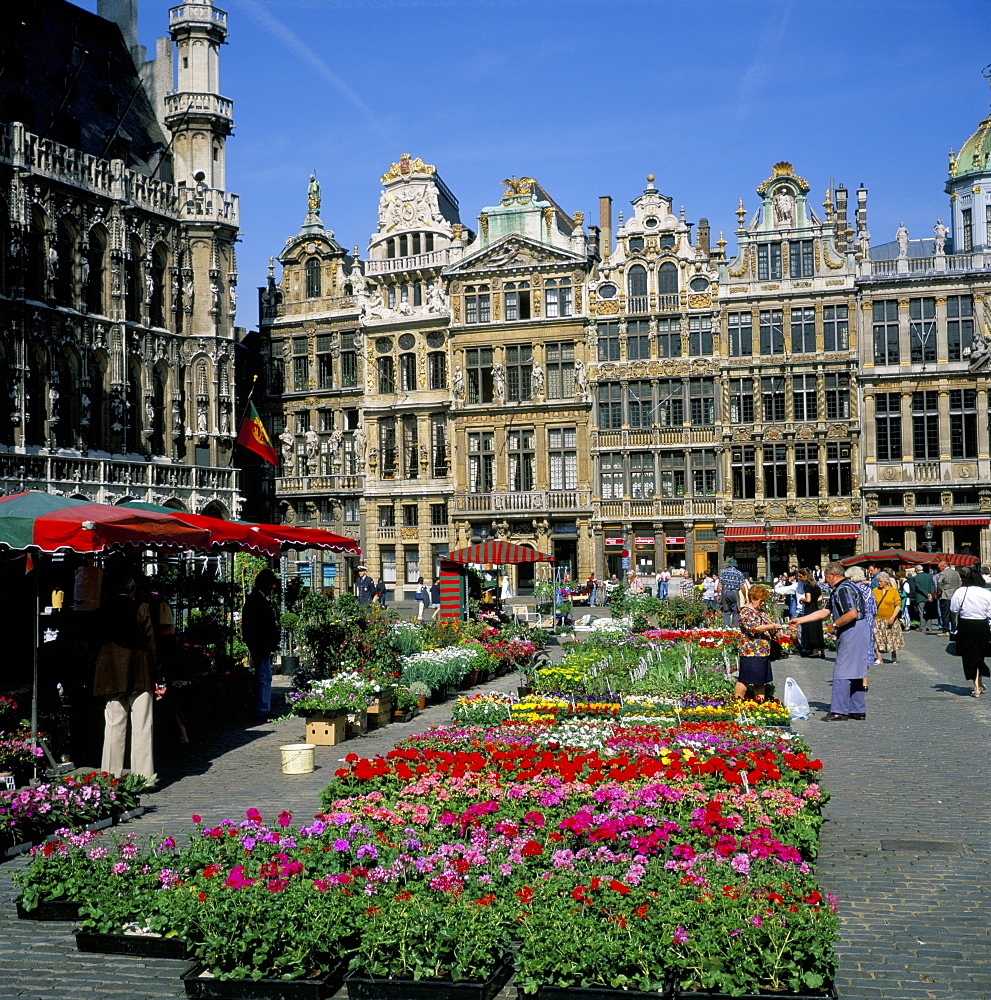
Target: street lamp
pixel 767 547
pixel 928 532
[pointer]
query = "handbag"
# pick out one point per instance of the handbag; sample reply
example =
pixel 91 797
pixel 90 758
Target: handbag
pixel 777 652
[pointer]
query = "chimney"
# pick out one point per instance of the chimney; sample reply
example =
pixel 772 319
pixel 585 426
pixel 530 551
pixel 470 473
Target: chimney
pixel 605 227
pixel 841 220
pixel 702 240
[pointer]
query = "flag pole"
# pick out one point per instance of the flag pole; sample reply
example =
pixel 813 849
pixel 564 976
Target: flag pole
pixel 244 413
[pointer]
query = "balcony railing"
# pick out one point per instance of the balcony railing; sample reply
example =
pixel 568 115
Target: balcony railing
pixel 97 478
pixel 185 103
pixel 415 262
pixel 681 508
pixel 929 265
pixel 531 501
pixel 927 472
pixel 320 484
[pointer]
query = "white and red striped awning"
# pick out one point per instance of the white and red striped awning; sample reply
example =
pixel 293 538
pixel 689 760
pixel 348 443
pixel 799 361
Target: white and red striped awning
pixel 960 520
pixel 497 553
pixel 755 532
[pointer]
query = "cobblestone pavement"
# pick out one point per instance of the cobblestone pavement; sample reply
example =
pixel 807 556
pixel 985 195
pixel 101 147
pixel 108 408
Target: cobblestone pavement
pixel 905 847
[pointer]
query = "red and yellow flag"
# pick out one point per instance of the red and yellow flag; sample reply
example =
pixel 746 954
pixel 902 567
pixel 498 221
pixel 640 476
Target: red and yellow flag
pixel 254 437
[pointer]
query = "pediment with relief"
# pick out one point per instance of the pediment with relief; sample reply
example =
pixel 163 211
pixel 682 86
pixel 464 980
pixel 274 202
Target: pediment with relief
pixel 511 253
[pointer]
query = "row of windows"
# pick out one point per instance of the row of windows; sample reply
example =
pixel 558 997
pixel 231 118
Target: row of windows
pixel 409 515
pixel 517 300
pixel 925 330
pixel 927 429
pixel 519 379
pixel 771 259
pixel 402 455
pixel 774 463
pixel 668 402
pixel 967 229
pixel 641 475
pixel 520 457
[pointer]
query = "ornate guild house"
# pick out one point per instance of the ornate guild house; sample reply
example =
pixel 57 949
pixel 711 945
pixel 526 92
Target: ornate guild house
pixel 118 281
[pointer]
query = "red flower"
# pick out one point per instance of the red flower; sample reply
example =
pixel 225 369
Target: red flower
pixel 531 849
pixel 623 890
pixel 285 818
pixel 525 894
pixel 254 815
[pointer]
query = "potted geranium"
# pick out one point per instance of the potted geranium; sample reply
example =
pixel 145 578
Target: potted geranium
pixel 404 704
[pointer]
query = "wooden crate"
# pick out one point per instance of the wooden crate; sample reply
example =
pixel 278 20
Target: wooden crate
pixel 376 720
pixel 325 732
pixel 357 723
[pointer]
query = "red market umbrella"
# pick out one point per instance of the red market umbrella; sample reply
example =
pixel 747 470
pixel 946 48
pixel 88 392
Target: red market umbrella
pixel 48 523
pixel 233 536
pixel 906 556
pixel 306 538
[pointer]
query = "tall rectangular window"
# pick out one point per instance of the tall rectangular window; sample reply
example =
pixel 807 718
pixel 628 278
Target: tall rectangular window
pixel 516 299
pixel 669 337
pixel 437 369
pixel 741 339
pixel 963 423
pixel 888 426
pixel 638 339
pixel 700 336
pixel 672 473
pixel 835 328
pixel 801 261
pixel 300 365
pixel 411 515
pixel 967 236
pixel 521 460
pixel 884 317
pixel 773 392
pixel 839 470
pixel 702 401
pixel 741 400
pixel 743 467
pixel 481 461
pixel 386 375
pixel 349 360
pixel 560 360
pixel 438 514
pixel 803 330
pixel 772 334
pixel 704 473
pixel 478 305
pixel 959 325
pixel 925 425
pixel 407 372
pixel 642 474
pixel 804 397
pixel 610 405
pixel 387 447
pixel 611 486
pixel 806 470
pixel 325 362
pixel 562 454
pixel 557 297
pixel 439 461
pixel 607 342
pixel 775 470
pixel 387 516
pixel 411 447
pixel 837 397
pixel 768 261
pixel 519 372
pixel 922 329
pixel 478 361
pixel 639 404
pixel 670 411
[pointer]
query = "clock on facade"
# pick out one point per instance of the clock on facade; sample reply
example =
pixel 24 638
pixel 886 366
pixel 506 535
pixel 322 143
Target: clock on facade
pixel 607 290
pixel 383 345
pixel 435 339
pixel 407 342
pixel 699 284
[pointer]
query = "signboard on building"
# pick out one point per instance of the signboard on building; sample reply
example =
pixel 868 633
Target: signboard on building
pixel 614 541
pixel 674 539
pixel 625 562
pixel 329 574
pixel 646 540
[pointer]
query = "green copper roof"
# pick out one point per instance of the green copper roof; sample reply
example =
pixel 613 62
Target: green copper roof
pixel 975 154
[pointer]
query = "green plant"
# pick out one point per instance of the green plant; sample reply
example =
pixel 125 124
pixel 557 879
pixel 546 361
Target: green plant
pixel 419 690
pixel 70 867
pixel 403 699
pixel 347 691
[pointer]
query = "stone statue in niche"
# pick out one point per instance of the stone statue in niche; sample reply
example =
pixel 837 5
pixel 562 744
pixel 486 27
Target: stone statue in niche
pixel 901 238
pixel 436 299
pixel 287 453
pixel 312 451
pixel 940 232
pixel 499 380
pixel 459 383
pixel 784 206
pixel 581 379
pixel 537 380
pixel 188 294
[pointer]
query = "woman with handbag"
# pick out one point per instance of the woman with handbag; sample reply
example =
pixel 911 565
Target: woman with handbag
pixel 972 605
pixel 812 642
pixel 887 624
pixel 756 646
pixel 422 598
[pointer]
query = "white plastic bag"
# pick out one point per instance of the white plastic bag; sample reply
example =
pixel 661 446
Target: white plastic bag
pixel 795 700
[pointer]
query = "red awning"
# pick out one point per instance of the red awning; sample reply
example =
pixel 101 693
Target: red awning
pixel 936 522
pixel 755 532
pixel 497 553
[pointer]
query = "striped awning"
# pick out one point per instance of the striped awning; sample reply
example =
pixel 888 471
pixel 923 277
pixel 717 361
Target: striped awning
pixel 497 553
pixel 755 532
pixel 961 520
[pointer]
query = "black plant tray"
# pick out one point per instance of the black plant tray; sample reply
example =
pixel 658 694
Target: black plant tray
pixel 140 945
pixel 365 987
pixel 210 988
pixel 51 909
pixel 597 993
pixel 827 993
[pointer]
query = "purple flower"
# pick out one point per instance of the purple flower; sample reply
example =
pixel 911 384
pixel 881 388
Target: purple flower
pixel 341 845
pixel 367 851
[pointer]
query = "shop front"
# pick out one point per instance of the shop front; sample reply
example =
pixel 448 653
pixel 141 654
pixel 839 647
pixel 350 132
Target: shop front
pixel 774 548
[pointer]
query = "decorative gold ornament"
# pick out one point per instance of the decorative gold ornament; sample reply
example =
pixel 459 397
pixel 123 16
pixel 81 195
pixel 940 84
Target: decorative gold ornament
pixel 407 166
pixel 699 301
pixel 518 186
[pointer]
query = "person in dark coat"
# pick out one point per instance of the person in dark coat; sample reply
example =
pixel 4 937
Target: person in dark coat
pixel 364 587
pixel 262 635
pixel 381 594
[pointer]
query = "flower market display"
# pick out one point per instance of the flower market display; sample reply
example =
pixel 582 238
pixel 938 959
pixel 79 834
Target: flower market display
pixel 627 828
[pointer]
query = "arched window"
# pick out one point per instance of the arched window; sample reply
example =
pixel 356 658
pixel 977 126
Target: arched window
pixel 390 247
pixel 667 278
pixel 404 246
pixel 64 262
pixel 93 415
pixel 62 399
pixel 36 256
pixel 313 278
pixel 135 410
pixel 94 267
pixel 133 291
pixel 636 278
pixel 159 383
pixel 35 403
pixel 156 307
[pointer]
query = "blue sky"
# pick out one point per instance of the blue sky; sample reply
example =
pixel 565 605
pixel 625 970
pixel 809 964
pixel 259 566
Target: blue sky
pixel 589 96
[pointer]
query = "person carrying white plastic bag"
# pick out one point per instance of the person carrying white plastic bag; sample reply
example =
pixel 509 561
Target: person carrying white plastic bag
pixel 795 700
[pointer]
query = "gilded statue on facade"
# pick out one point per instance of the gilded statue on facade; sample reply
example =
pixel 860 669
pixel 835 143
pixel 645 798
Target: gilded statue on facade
pixel 518 185
pixel 313 196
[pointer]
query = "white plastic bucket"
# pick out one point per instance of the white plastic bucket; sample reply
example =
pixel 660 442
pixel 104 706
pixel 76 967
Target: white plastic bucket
pixel 297 758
